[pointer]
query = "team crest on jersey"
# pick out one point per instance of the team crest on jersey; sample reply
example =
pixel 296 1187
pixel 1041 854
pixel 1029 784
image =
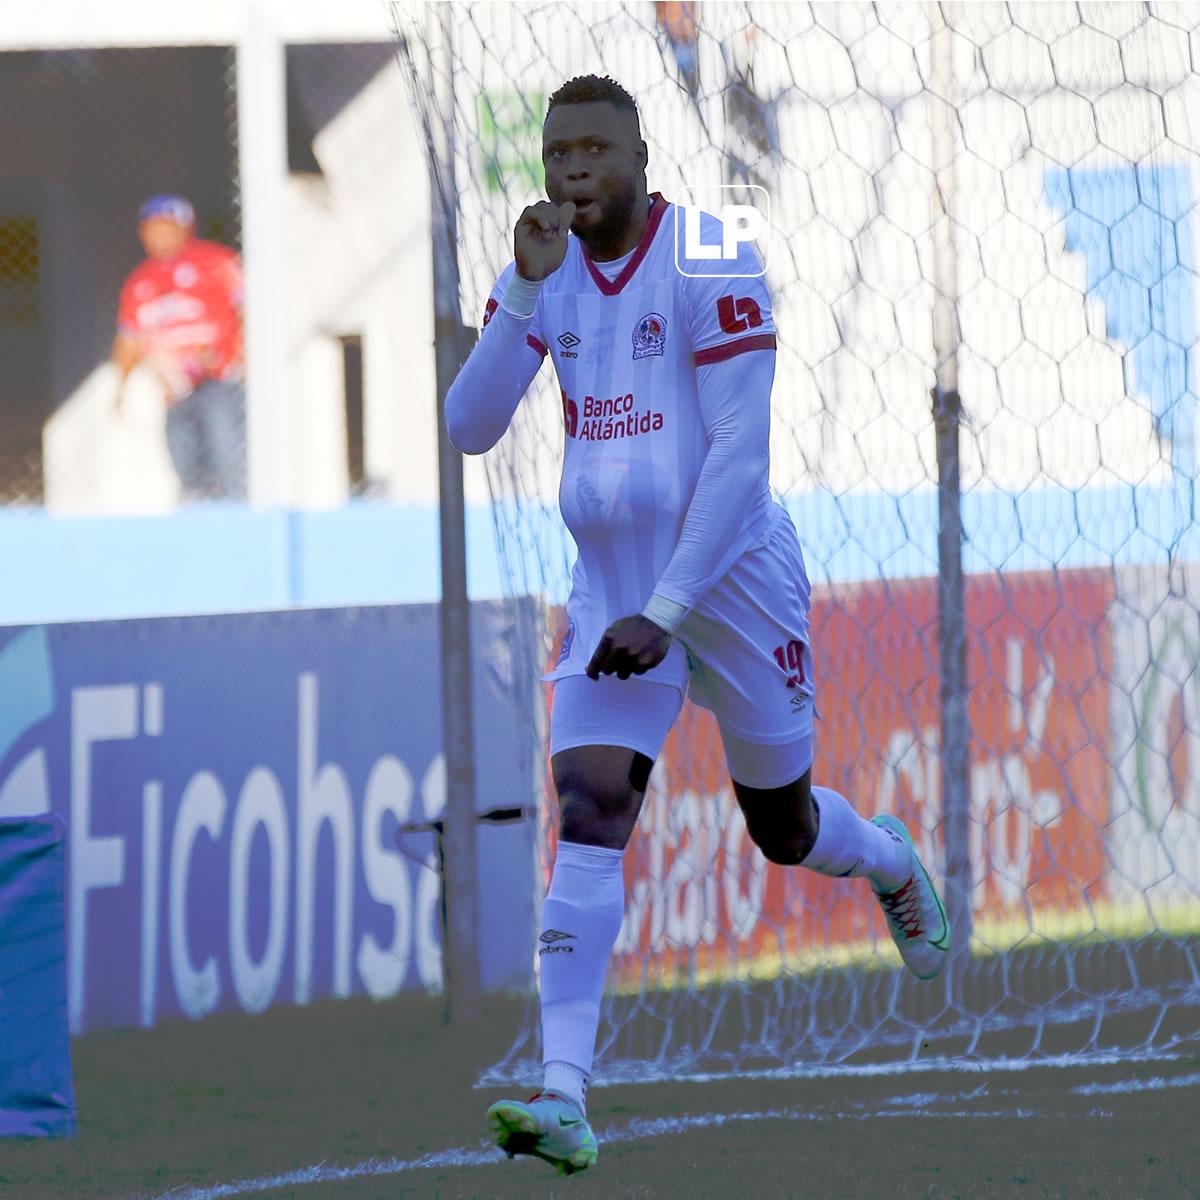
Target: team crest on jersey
pixel 650 336
pixel 568 639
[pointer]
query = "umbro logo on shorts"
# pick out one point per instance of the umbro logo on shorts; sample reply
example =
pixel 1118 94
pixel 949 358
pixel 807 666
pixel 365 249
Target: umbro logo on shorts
pixel 553 935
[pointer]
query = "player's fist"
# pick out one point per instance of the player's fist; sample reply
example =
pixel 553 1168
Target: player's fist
pixel 630 646
pixel 540 238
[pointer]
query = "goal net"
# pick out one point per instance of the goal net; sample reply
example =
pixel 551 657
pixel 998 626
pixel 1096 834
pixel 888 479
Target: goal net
pixel 1062 144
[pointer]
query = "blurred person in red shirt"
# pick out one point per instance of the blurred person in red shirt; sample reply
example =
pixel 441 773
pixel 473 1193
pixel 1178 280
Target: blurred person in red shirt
pixel 180 314
pixel 677 18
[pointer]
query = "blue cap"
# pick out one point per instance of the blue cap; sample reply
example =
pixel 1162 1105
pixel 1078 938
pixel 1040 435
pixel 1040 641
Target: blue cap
pixel 175 208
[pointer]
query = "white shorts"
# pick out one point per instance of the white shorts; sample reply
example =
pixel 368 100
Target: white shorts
pixel 742 653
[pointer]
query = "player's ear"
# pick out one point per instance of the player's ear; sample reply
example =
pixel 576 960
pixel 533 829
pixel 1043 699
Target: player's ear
pixel 643 155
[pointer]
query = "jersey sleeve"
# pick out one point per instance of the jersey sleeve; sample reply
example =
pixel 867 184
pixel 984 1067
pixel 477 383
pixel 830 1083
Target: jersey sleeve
pixel 232 281
pixel 729 310
pixel 484 396
pixel 533 335
pixel 731 494
pixel 127 321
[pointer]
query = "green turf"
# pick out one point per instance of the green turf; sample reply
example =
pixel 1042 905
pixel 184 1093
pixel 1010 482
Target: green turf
pixel 240 1097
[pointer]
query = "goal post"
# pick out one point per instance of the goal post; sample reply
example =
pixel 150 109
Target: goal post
pixel 992 205
pixel 947 419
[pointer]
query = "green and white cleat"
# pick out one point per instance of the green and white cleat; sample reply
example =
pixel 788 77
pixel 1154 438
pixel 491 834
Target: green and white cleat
pixel 549 1127
pixel 915 912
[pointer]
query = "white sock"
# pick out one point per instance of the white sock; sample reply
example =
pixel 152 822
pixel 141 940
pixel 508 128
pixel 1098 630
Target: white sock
pixel 567 1081
pixel 849 845
pixel 581 917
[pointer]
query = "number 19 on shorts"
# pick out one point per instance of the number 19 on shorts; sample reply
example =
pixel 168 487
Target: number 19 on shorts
pixel 791 662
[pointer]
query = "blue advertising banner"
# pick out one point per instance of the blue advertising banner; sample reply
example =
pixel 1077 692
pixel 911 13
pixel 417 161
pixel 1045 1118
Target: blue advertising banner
pixel 37 1097
pixel 232 788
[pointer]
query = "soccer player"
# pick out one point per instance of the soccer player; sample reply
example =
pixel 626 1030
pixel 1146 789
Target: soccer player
pixel 689 576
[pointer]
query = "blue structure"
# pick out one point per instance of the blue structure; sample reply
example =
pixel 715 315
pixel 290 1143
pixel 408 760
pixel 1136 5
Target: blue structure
pixel 37 1098
pixel 1133 226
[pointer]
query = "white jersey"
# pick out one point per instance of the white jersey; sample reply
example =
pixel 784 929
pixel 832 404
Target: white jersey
pixel 626 354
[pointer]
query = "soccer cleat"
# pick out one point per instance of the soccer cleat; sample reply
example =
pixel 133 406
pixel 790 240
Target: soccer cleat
pixel 915 913
pixel 549 1127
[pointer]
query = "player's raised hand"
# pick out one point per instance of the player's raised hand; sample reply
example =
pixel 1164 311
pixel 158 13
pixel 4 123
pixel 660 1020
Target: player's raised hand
pixel 540 238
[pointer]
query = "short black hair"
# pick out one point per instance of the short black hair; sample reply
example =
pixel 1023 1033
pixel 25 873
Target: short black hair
pixel 592 89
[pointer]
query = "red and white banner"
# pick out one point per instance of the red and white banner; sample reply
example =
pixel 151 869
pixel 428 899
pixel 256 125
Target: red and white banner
pixel 701 898
pixel 1154 831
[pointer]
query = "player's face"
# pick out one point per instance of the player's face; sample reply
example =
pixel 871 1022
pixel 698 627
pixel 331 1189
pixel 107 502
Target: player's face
pixel 162 237
pixel 594 157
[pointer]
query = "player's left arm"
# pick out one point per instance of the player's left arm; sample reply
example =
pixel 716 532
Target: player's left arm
pixel 732 329
pixel 734 339
pixel 735 399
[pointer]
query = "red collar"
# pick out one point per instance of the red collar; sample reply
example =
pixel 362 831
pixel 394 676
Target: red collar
pixel 657 211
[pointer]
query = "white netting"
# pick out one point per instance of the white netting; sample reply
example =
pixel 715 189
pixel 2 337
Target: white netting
pixel 1075 169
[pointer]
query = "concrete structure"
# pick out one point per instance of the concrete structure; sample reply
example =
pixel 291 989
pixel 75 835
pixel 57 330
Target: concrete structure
pixel 131 98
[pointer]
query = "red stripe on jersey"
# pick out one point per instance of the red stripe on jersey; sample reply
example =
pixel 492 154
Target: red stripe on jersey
pixel 657 211
pixel 716 354
pixel 530 340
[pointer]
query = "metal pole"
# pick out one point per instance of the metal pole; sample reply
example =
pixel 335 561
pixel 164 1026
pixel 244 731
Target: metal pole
pixel 460 878
pixel 952 624
pixel 262 171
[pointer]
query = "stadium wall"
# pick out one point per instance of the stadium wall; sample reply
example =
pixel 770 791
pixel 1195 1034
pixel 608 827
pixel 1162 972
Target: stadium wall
pixel 232 788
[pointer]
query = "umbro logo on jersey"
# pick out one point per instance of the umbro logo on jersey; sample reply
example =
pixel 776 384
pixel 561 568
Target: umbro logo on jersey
pixel 553 939
pixel 568 341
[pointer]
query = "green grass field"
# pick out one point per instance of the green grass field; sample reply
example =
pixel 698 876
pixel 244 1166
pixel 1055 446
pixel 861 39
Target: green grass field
pixel 193 1109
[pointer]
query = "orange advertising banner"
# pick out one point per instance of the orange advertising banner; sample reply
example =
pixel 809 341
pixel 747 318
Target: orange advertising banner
pixel 702 901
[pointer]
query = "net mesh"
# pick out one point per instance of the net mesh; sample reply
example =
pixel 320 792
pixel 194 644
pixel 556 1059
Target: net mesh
pixel 1070 179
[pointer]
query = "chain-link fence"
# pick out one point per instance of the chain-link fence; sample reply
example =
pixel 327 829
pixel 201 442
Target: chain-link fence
pixel 92 134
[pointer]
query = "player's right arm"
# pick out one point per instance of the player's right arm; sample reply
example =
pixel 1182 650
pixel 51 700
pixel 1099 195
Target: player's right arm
pixel 127 346
pixel 126 353
pixel 482 399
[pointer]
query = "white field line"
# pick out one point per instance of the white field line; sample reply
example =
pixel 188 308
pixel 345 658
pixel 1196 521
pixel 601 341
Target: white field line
pixel 463 1157
pixel 917 1105
pixel 871 1070
pixel 1156 1084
